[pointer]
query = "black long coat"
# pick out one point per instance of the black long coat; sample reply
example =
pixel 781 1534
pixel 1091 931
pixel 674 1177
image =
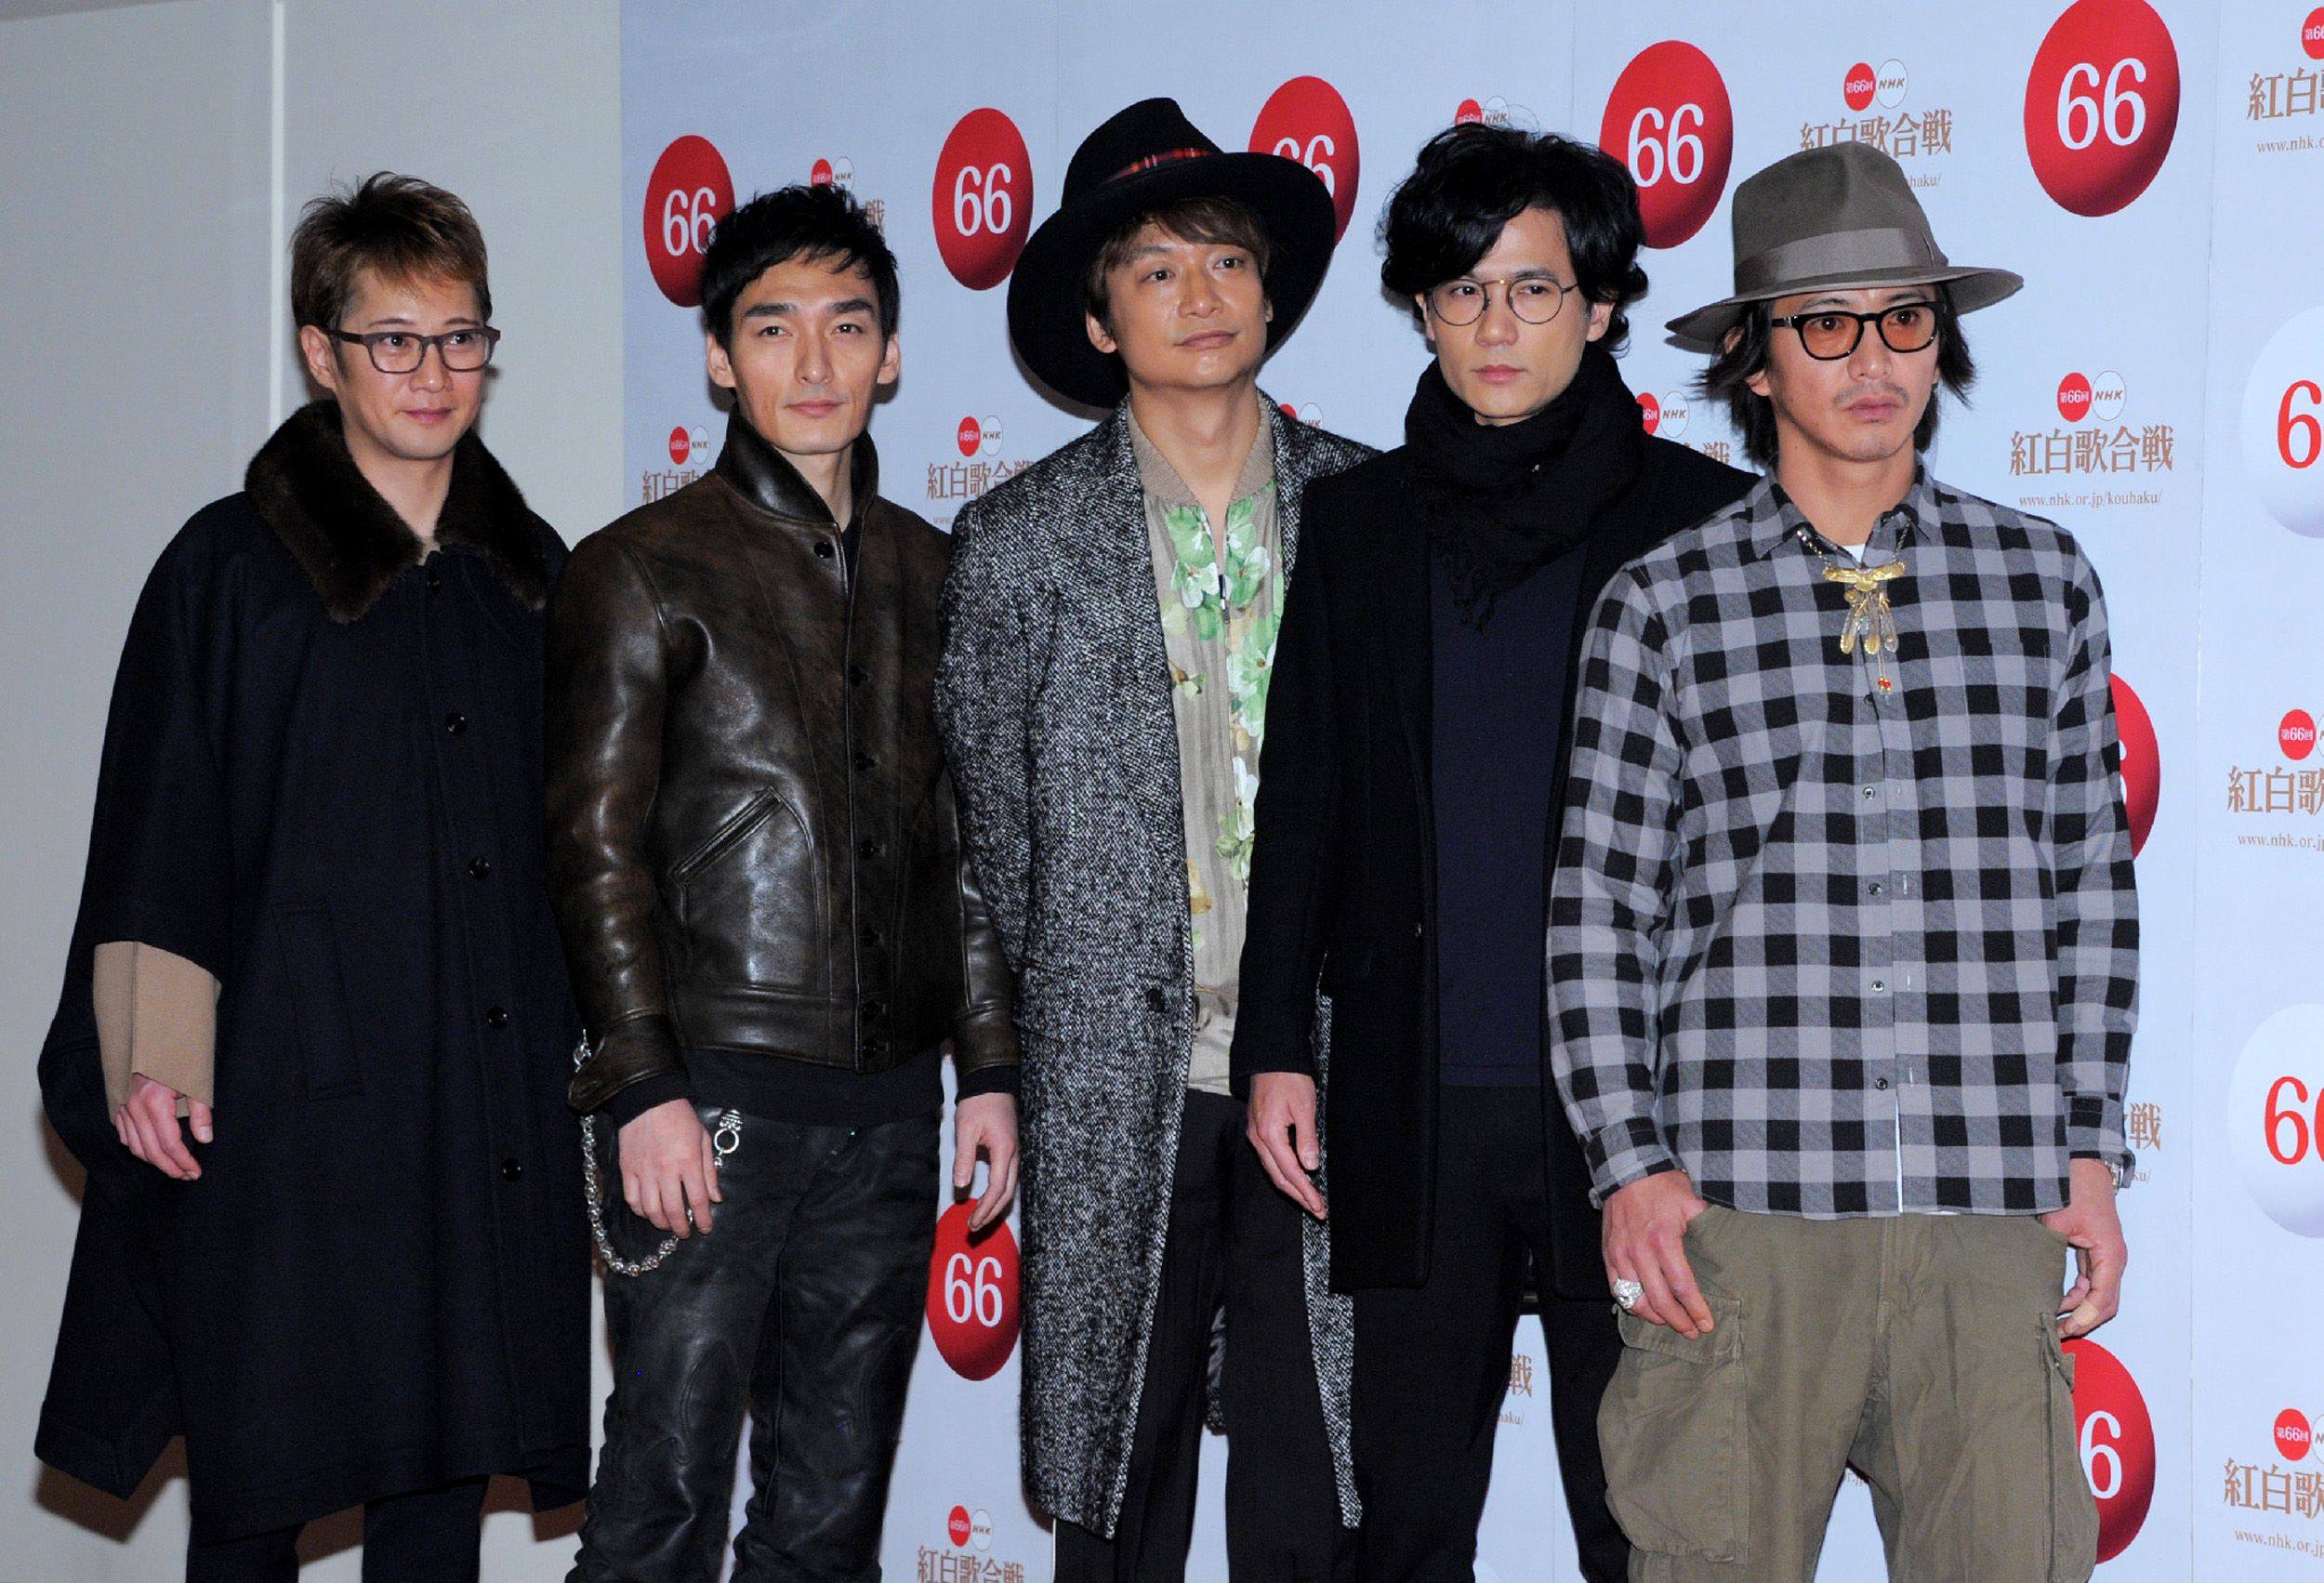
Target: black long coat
pixel 321 783
pixel 1343 880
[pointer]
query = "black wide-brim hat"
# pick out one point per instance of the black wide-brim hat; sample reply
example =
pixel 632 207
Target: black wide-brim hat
pixel 1145 158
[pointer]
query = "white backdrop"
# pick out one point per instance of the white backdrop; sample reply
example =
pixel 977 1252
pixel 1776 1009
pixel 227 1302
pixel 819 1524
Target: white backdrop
pixel 2152 169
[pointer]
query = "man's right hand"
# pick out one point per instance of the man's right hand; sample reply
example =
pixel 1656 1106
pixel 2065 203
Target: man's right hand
pixel 1645 1228
pixel 668 1167
pixel 147 1125
pixel 1280 1123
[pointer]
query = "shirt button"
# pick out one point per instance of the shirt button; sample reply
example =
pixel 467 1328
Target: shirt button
pixel 481 867
pixel 824 551
pixel 875 1007
pixel 1879 985
pixel 1870 792
pixel 496 1017
pixel 433 576
pixel 513 1169
pixel 858 675
pixel 867 849
pixel 455 723
pixel 870 937
pixel 1882 1084
pixel 864 761
pixel 1878 888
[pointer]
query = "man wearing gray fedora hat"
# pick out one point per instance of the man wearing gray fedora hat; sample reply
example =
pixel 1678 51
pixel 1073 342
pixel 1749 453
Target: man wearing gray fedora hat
pixel 1843 946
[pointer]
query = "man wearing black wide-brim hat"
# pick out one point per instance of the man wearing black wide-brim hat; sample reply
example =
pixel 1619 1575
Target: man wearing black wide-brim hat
pixel 1109 625
pixel 1843 946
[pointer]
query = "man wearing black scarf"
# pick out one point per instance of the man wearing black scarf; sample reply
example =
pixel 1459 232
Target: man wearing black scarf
pixel 1411 787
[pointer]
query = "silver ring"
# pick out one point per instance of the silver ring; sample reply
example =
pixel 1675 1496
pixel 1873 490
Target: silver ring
pixel 1627 1293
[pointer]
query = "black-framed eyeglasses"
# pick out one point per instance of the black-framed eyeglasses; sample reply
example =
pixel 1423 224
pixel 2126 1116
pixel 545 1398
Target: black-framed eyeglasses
pixel 1534 298
pixel 400 351
pixel 1831 334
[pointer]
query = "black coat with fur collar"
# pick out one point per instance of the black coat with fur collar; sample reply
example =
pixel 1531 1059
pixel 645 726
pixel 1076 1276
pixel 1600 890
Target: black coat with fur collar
pixel 322 782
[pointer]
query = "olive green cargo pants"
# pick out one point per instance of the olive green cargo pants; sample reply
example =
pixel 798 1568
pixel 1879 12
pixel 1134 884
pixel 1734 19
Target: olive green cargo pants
pixel 1921 1349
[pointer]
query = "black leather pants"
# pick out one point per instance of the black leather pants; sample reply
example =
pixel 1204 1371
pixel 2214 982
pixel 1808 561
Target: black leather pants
pixel 806 1299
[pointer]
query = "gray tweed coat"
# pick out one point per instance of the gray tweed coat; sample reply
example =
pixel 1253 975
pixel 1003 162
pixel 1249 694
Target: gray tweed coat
pixel 1053 695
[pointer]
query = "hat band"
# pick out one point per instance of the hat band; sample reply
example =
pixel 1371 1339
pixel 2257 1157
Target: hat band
pixel 1169 157
pixel 1835 253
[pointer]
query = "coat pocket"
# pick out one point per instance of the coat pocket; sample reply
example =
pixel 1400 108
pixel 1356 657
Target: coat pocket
pixel 1676 1434
pixel 326 1029
pixel 2073 1510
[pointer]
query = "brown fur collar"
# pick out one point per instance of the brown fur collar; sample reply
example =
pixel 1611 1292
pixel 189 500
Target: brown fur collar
pixel 349 540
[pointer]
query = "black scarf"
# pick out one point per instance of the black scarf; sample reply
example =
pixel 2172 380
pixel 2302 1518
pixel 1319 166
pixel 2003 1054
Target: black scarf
pixel 1502 502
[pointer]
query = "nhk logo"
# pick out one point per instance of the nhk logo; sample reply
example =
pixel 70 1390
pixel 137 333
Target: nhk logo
pixel 2080 396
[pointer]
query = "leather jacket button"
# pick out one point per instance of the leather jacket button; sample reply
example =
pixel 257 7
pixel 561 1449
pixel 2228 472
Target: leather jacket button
pixel 512 1170
pixel 824 551
pixel 455 723
pixel 1155 999
pixel 870 937
pixel 864 761
pixel 875 1046
pixel 867 849
pixel 481 867
pixel 858 675
pixel 496 1016
pixel 875 1007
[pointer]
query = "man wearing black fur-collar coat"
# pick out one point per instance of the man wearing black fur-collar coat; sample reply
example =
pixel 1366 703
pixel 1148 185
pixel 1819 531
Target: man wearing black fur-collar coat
pixel 315 1028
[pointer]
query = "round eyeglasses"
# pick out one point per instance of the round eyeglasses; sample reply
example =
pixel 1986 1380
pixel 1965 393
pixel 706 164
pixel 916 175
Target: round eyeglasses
pixel 400 351
pixel 1534 298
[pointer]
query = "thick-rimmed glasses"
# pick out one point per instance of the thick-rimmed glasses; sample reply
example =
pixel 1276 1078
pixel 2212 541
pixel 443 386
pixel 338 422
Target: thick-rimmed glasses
pixel 400 351
pixel 1534 298
pixel 1831 334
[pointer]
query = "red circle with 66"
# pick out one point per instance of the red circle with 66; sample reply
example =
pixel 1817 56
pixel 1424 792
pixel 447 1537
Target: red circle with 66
pixel 2283 425
pixel 685 198
pixel 2275 1118
pixel 983 199
pixel 2115 1437
pixel 2141 762
pixel 1306 120
pixel 973 1303
pixel 1669 120
pixel 2102 103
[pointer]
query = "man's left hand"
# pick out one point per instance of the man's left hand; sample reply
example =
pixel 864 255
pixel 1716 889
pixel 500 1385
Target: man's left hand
pixel 986 1124
pixel 2089 1224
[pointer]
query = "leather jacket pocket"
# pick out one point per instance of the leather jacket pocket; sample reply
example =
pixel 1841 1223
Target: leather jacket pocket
pixel 1676 1437
pixel 748 898
pixel 318 983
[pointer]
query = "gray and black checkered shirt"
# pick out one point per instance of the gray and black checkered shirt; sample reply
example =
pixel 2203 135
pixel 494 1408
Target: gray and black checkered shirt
pixel 1829 949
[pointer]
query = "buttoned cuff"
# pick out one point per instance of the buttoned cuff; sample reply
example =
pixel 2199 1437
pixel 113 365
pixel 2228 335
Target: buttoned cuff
pixel 628 1053
pixel 2094 1131
pixel 1628 1151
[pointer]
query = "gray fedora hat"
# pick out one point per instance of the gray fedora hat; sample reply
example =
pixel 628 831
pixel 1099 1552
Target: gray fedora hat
pixel 1836 218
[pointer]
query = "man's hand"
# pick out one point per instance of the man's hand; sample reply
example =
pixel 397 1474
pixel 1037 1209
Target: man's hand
pixel 1645 1227
pixel 2089 1224
pixel 986 1124
pixel 669 1168
pixel 1280 1123
pixel 147 1123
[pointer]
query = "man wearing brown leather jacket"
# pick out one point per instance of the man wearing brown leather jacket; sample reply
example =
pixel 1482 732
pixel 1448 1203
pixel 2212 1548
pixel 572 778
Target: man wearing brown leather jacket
pixel 771 927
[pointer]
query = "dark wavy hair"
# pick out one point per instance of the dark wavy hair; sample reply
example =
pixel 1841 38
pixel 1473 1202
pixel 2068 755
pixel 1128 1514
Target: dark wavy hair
pixel 1745 353
pixel 1471 180
pixel 799 221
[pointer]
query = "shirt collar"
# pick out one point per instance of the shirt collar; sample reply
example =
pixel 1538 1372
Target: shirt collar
pixel 1160 480
pixel 1773 518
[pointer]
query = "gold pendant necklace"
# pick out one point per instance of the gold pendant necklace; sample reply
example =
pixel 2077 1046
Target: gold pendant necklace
pixel 1868 620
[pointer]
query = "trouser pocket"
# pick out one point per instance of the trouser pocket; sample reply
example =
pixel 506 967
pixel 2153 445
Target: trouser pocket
pixel 1676 1438
pixel 2073 1510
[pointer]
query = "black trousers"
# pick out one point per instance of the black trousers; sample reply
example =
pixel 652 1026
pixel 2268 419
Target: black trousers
pixel 430 1537
pixel 1432 1362
pixel 805 1301
pixel 1233 1240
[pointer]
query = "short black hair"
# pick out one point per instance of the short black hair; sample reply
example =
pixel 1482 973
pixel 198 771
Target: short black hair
pixel 1745 352
pixel 1473 180
pixel 799 221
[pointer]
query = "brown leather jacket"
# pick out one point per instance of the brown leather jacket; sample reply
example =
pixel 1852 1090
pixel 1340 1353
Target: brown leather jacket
pixel 752 844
